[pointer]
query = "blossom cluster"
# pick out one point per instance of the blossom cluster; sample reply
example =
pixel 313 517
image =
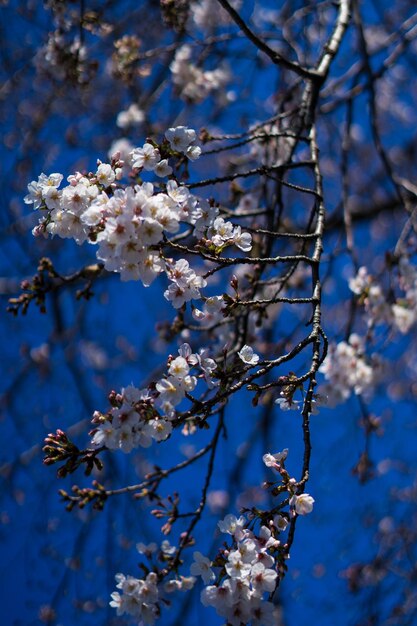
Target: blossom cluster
pixel 132 116
pixel 132 422
pixel 193 83
pixel 248 569
pixel 240 582
pixel 301 504
pixel 212 311
pixel 402 314
pixel 129 224
pixel 208 14
pixel 250 573
pixel 64 57
pixel 347 370
pixel 139 416
pixel 140 598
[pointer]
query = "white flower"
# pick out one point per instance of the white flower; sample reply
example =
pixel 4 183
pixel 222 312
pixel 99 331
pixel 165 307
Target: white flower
pixel 186 284
pixel 263 579
pixel 193 153
pixel 176 295
pixel 186 353
pixel 132 394
pixel 150 231
pixel 187 583
pixel 106 435
pixel 235 566
pixel 117 603
pixel 159 429
pixel 178 193
pixel 162 168
pixel 147 157
pixel 172 585
pixel 247 550
pixel 121 148
pixel 53 180
pixel 75 198
pixel 105 174
pixel 96 211
pixel 170 390
pixel 232 525
pixel 288 404
pixel 221 232
pixel 404 317
pixel 247 204
pixel 219 597
pixel 34 196
pixel 146 549
pixel 242 240
pixel 180 138
pixel 272 460
pixel 303 503
pixel 139 597
pixel 167 548
pixel 359 283
pixel 126 438
pixel 248 356
pixel 52 197
pixel 202 567
pixel 265 539
pixel 346 370
pixel 179 367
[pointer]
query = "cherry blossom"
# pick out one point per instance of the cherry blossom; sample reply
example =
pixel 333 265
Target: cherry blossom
pixel 303 503
pixel 248 356
pixel 202 567
pixel 272 460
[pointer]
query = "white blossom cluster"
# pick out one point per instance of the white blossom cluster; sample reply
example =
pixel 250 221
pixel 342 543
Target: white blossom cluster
pixel 241 581
pixel 142 416
pixel 173 387
pixel 223 233
pixel 402 314
pixel 128 224
pixel 208 14
pixel 250 574
pixel 212 311
pixel 140 598
pixel 132 116
pixel 132 423
pixel 193 83
pixel 405 309
pixel 373 297
pixel 248 569
pixel 347 370
pixel 58 56
pixel 301 504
